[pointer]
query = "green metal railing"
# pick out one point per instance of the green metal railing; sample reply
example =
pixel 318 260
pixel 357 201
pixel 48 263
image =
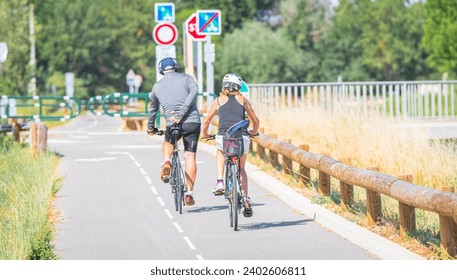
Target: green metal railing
pixel 40 108
pixel 121 104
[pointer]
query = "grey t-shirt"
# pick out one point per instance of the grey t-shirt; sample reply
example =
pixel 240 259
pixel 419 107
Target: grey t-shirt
pixel 175 92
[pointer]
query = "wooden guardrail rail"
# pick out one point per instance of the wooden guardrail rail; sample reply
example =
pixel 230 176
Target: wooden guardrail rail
pixel 409 196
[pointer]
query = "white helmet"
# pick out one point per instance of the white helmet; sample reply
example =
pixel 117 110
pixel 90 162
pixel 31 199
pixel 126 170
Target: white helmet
pixel 232 82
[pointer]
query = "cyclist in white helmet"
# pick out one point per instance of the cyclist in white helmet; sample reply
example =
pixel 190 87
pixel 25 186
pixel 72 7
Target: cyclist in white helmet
pixel 231 107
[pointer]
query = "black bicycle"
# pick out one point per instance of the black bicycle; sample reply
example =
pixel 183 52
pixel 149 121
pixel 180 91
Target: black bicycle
pixel 177 177
pixel 233 149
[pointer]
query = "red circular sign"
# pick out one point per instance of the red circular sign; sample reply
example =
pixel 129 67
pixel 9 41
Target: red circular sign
pixel 165 34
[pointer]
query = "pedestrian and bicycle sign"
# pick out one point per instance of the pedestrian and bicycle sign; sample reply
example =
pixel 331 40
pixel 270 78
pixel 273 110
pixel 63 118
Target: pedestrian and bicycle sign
pixel 164 12
pixel 208 22
pixel 165 34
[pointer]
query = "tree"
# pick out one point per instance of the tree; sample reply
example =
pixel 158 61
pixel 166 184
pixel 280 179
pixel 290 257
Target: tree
pixel 440 35
pixel 269 58
pixel 14 29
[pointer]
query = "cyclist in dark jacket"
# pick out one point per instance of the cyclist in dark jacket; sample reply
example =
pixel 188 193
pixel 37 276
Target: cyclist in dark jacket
pixel 232 107
pixel 176 93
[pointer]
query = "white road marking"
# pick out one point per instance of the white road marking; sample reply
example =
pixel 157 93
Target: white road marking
pixel 142 171
pixel 168 213
pixel 94 159
pixel 161 201
pixel 154 190
pixel 148 180
pixel 137 147
pixel 178 227
pixel 200 257
pixel 137 163
pixel 191 246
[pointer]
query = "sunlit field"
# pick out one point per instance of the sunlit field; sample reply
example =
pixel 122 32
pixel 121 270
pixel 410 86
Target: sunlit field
pixel 394 149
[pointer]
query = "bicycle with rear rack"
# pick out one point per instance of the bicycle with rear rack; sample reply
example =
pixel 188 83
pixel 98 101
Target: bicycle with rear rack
pixel 233 149
pixel 177 177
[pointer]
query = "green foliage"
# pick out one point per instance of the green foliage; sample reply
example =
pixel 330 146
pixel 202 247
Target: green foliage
pixel 14 72
pixel 269 58
pixel 440 35
pixel 42 246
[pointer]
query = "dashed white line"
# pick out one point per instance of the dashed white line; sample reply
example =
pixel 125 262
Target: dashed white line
pixel 148 180
pixel 137 163
pixel 142 171
pixel 200 257
pixel 168 213
pixel 131 156
pixel 189 243
pixel 161 201
pixel 178 227
pixel 154 190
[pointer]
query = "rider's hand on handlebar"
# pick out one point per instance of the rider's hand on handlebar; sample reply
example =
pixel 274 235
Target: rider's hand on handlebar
pixel 152 130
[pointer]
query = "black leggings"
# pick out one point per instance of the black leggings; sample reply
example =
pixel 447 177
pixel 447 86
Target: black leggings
pixel 190 134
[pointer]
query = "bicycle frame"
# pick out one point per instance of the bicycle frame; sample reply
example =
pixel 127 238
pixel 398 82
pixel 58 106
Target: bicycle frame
pixel 177 178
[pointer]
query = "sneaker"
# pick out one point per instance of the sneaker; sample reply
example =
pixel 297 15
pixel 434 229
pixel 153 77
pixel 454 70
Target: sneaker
pixel 247 211
pixel 219 188
pixel 165 173
pixel 189 200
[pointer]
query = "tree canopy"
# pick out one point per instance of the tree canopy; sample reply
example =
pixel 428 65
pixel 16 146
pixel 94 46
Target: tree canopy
pixel 263 40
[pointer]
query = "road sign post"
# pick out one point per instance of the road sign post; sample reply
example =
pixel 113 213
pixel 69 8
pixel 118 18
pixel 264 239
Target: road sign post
pixel 161 53
pixel 3 51
pixel 208 22
pixel 130 80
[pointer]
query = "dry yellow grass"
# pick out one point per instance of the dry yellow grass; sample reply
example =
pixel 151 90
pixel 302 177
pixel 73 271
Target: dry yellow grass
pixel 369 143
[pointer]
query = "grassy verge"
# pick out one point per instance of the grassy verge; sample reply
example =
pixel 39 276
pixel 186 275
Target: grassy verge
pixel 27 186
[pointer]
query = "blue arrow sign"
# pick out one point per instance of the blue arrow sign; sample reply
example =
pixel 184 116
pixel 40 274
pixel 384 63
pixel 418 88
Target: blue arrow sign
pixel 209 22
pixel 164 12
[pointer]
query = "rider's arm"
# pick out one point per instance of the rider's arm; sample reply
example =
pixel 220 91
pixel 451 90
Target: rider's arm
pixel 154 108
pixel 193 92
pixel 207 121
pixel 253 117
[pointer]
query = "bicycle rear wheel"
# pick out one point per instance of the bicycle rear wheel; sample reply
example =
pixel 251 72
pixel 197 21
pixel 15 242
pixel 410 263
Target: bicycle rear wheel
pixel 235 200
pixel 179 200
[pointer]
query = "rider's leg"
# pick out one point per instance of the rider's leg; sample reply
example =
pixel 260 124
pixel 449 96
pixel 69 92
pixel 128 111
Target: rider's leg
pixel 243 175
pixel 191 169
pixel 167 150
pixel 220 160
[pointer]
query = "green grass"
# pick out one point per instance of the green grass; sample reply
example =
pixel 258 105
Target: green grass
pixel 26 188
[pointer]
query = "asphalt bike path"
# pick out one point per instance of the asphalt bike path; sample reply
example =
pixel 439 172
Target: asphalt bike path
pixel 113 205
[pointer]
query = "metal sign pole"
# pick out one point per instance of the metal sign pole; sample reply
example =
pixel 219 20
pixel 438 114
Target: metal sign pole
pixel 209 73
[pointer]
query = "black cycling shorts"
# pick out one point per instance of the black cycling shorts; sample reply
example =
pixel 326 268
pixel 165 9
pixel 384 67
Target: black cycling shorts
pixel 190 133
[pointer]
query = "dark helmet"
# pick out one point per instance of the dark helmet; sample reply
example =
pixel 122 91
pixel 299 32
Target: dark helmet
pixel 168 63
pixel 232 82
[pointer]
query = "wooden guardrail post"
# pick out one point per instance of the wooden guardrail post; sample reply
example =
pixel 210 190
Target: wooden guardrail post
pixel 448 231
pixel 406 212
pixel 374 212
pixel 260 148
pixel 33 136
pixel 323 187
pixel 305 172
pixel 38 137
pixel 16 129
pixel 346 190
pixel 287 162
pixel 273 155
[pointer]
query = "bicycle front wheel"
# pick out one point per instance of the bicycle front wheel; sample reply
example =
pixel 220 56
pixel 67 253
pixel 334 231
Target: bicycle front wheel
pixel 180 188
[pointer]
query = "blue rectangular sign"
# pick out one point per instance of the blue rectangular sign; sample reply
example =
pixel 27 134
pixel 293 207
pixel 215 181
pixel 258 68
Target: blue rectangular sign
pixel 209 22
pixel 164 12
